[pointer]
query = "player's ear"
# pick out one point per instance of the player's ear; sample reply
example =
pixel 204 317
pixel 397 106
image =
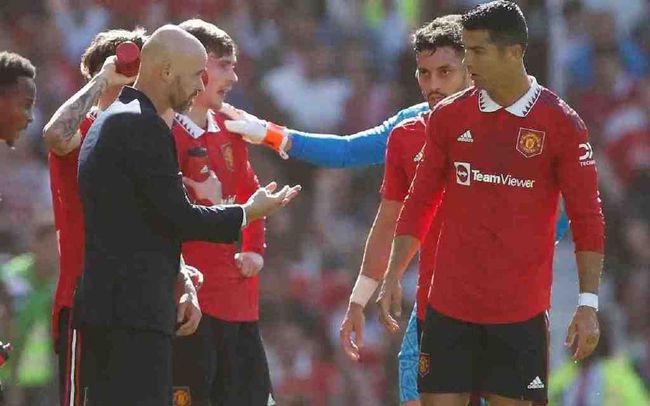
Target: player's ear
pixel 515 51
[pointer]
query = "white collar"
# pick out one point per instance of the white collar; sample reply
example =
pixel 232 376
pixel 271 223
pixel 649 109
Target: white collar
pixel 520 108
pixel 193 129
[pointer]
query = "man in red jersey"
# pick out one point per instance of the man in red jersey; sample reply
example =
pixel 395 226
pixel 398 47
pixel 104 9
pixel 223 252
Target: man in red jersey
pixel 63 135
pixel 17 95
pixel 440 72
pixel 502 152
pixel 224 362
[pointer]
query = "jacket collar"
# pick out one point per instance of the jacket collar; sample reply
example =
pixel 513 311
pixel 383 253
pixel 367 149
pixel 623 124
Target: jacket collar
pixel 129 94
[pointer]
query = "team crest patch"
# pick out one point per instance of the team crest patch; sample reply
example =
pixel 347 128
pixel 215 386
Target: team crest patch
pixel 228 157
pixel 530 143
pixel 182 396
pixel 424 364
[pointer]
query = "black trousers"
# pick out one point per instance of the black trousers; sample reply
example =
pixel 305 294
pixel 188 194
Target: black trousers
pixel 126 366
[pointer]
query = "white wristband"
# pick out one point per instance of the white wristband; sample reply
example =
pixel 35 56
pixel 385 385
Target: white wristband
pixel 588 299
pixel 363 290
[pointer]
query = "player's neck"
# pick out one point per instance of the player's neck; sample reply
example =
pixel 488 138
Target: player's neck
pixel 199 115
pixel 512 89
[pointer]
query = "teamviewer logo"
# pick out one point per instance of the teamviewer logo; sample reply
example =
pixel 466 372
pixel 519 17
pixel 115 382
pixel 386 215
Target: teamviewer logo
pixel 463 170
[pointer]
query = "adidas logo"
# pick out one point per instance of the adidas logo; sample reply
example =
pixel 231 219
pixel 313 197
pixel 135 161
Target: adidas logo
pixel 536 384
pixel 271 401
pixel 205 169
pixel 465 137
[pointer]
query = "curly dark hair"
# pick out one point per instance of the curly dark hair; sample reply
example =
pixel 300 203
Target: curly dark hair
pixel 443 31
pixel 503 20
pixel 213 38
pixel 12 67
pixel 103 46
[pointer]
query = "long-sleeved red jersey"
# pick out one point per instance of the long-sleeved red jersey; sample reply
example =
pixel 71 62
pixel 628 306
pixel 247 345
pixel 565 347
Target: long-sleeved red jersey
pixel 502 170
pixel 225 293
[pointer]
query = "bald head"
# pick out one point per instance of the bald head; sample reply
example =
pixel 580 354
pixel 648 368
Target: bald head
pixel 172 62
pixel 170 43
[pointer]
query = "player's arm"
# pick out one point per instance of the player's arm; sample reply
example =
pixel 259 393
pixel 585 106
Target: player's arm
pixel 576 171
pixel 251 258
pixel 415 219
pixel 377 250
pixel 327 150
pixel 373 265
pixel 61 133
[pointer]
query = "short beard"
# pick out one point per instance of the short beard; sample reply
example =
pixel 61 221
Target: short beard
pixel 183 107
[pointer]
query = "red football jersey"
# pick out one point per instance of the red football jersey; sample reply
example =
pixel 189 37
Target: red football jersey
pixel 69 220
pixel 403 153
pixel 225 293
pixel 502 171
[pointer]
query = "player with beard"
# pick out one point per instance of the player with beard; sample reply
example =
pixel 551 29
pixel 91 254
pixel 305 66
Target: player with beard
pixel 136 216
pixel 17 95
pixel 223 362
pixel 440 72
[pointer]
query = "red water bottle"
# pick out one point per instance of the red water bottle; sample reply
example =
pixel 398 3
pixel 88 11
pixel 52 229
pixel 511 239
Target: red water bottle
pixel 128 58
pixel 198 168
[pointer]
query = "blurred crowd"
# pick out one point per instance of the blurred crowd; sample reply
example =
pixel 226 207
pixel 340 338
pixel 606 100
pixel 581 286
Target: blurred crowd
pixel 341 66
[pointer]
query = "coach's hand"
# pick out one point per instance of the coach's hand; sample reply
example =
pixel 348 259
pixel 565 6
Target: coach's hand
pixel 264 202
pixel 390 300
pixel 196 276
pixel 354 322
pixel 583 332
pixel 210 189
pixel 249 263
pixel 188 313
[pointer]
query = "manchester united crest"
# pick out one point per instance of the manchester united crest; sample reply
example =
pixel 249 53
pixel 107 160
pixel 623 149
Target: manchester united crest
pixel 182 396
pixel 228 157
pixel 530 143
pixel 424 364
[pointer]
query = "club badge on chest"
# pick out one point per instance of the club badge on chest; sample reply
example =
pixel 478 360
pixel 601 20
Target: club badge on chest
pixel 530 142
pixel 228 157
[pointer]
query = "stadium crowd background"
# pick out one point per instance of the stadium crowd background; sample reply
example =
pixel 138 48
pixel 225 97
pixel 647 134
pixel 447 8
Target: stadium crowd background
pixel 339 66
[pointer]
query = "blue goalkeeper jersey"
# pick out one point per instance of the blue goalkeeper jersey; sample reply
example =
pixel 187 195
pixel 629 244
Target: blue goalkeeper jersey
pixel 361 149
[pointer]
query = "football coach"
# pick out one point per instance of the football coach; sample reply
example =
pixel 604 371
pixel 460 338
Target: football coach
pixel 136 217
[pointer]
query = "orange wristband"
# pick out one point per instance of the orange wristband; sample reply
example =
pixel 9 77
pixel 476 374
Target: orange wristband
pixel 275 136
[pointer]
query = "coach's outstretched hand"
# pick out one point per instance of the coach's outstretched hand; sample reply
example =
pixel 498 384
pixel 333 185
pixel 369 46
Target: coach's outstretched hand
pixel 264 202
